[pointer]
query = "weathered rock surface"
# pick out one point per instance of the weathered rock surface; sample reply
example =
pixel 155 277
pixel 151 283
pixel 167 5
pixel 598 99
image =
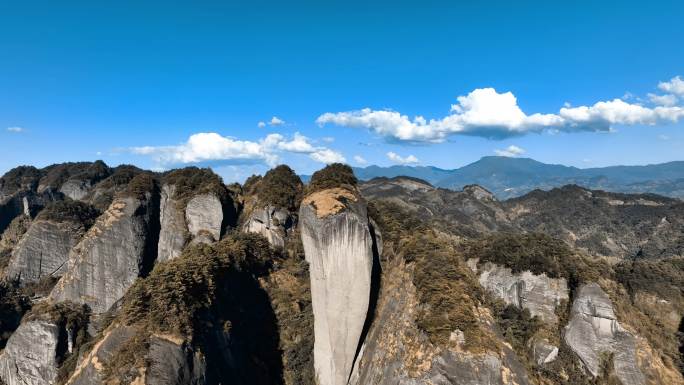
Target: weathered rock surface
pixel 111 255
pixel 30 357
pixel 43 251
pixel 271 222
pixel 76 189
pixel 172 236
pixel 173 363
pixel 544 352
pixel 395 352
pixel 594 329
pixel 200 221
pixel 537 293
pixel 339 248
pixel 169 361
pixel 204 214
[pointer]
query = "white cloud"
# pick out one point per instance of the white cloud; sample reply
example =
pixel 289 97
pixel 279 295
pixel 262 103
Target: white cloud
pixel 210 146
pixel 674 86
pixel 327 156
pixel 276 121
pixel 667 100
pixel 15 129
pixel 360 160
pixel 401 160
pixel 510 151
pixel 663 137
pixel 486 113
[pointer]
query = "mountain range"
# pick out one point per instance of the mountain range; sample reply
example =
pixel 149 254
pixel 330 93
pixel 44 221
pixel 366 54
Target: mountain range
pixel 510 177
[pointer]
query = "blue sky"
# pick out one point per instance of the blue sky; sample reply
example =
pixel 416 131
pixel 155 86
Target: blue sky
pixel 167 84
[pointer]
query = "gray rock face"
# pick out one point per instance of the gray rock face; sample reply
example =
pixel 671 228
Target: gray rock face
pixel 169 361
pixel 88 371
pixel 201 222
pixel 204 214
pixel 75 189
pixel 537 293
pixel 544 352
pixel 271 222
pixel 30 357
pixel 338 246
pixel 110 256
pixel 593 329
pixel 43 251
pixel 172 236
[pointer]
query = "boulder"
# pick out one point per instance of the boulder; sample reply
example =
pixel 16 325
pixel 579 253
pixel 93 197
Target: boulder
pixel 31 357
pixel 544 352
pixel 339 248
pixel 112 254
pixel 594 331
pixel 43 251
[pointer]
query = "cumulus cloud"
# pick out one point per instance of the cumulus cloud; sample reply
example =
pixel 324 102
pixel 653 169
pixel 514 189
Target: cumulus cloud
pixel 674 86
pixel 210 146
pixel 510 151
pixel 487 113
pixel 15 129
pixel 394 157
pixel 360 160
pixel 667 100
pixel 275 121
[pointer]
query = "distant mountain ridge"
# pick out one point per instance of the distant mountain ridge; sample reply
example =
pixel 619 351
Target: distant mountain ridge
pixel 512 177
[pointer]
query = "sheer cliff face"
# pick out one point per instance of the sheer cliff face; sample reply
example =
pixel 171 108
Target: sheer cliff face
pixel 111 255
pixel 339 248
pixel 200 219
pixel 43 251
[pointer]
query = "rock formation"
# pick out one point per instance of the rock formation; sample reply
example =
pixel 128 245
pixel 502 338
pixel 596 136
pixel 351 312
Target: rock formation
pixel 339 248
pixel 30 357
pixel 43 250
pixel 271 222
pixel 594 330
pixel 112 254
pixel 395 352
pixel 168 361
pixel 537 293
pixel 198 219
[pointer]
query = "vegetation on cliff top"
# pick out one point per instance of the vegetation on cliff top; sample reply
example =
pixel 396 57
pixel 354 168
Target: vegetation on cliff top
pixel 332 175
pixel 193 181
pixel 69 210
pixel 280 187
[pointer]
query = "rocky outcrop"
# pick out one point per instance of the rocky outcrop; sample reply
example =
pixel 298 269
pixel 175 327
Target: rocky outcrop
pixel 198 220
pixel 30 357
pixel 116 250
pixel 396 352
pixel 168 361
pixel 43 251
pixel 339 248
pixel 537 293
pixel 172 236
pixel 271 222
pixel 594 331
